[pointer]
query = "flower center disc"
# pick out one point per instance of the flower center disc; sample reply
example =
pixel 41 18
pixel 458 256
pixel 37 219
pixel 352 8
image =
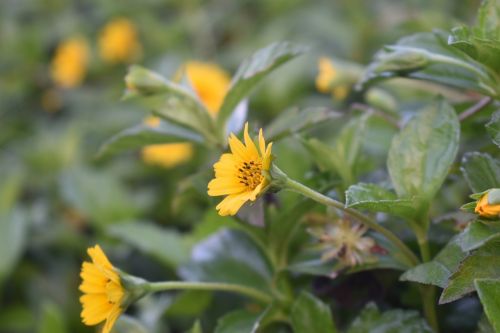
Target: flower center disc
pixel 250 174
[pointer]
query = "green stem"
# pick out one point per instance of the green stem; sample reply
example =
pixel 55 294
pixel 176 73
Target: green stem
pixel 323 199
pixel 213 286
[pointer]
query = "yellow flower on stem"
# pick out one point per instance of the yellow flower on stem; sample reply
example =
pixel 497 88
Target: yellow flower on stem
pixel 69 65
pixel 239 174
pixel 103 293
pixel 485 209
pixel 118 42
pixel 328 75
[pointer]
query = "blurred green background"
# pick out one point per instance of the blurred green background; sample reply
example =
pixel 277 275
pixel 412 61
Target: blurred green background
pixel 57 198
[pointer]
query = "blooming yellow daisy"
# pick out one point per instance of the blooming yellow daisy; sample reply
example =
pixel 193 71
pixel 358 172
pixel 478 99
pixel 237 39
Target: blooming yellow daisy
pixel 118 41
pixel 103 293
pixel 69 65
pixel 239 174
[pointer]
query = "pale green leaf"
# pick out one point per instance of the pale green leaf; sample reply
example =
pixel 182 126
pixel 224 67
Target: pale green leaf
pixel 489 294
pixel 481 171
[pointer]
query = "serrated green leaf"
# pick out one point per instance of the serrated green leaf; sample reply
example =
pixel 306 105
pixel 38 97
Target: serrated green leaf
pixel 294 121
pixel 394 321
pixel 252 71
pixel 478 233
pixel 438 270
pixel 239 321
pixel 484 263
pixel 310 314
pixel 422 153
pixel 141 135
pixel 489 294
pixel 481 171
pixel 493 127
pixel 377 199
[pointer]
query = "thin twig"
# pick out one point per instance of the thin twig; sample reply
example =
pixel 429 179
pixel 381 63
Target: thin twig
pixel 475 108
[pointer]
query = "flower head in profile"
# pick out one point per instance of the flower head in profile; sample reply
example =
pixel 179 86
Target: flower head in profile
pixel 239 174
pixel 118 42
pixel 210 83
pixel 486 207
pixel 103 293
pixel 344 241
pixel 69 65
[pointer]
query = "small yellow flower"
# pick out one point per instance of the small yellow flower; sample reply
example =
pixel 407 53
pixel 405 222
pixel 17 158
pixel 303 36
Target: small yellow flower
pixel 118 42
pixel 102 289
pixel 485 209
pixel 210 83
pixel 69 65
pixel 239 174
pixel 167 155
pixel 326 74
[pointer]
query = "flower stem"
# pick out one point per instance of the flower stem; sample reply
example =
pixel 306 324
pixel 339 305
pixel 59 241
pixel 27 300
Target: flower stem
pixel 323 199
pixel 213 286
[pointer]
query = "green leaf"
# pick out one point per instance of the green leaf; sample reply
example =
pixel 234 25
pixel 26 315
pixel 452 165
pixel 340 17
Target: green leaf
pixel 493 127
pixel 52 319
pixel 310 314
pixel 294 121
pixel 190 303
pixel 422 153
pixel 489 294
pixel 377 199
pixel 427 56
pixel 481 171
pixel 196 327
pixel 478 233
pixel 169 101
pixel 13 238
pixel 484 263
pixel 98 195
pixel 167 246
pixel 239 321
pixel 229 251
pixel 141 135
pixel 438 270
pixel 252 71
pixel 128 324
pixel 394 321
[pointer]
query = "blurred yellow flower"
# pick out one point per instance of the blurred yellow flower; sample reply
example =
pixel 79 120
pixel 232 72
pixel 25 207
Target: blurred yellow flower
pixel 166 155
pixel 210 83
pixel 118 42
pixel 327 74
pixel 69 65
pixel 239 174
pixel 484 209
pixel 103 293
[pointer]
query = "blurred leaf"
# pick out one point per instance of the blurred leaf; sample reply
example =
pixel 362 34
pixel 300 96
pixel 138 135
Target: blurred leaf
pixel 252 71
pixel 394 321
pixel 271 314
pixel 481 171
pixel 142 135
pixel 310 314
pixel 478 233
pixel 167 246
pixel 98 196
pixel 493 127
pixel 17 318
pixel 10 189
pixel 52 319
pixel 427 56
pixel 422 153
pixel 239 321
pixel 489 294
pixel 229 251
pixel 438 270
pixel 169 100
pixel 196 327
pixel 294 121
pixel 190 303
pixel 484 263
pixel 128 324
pixel 377 199
pixel 13 237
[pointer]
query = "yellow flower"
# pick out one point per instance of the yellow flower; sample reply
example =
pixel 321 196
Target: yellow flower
pixel 239 174
pixel 167 155
pixel 69 65
pixel 485 209
pixel 118 42
pixel 209 82
pixel 327 74
pixel 102 289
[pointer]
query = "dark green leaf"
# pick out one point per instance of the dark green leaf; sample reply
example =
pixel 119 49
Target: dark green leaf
pixel 239 321
pixel 484 263
pixel 478 233
pixel 421 155
pixel 493 127
pixel 489 294
pixel 252 71
pixel 481 171
pixel 311 315
pixel 167 246
pixel 142 135
pixel 377 199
